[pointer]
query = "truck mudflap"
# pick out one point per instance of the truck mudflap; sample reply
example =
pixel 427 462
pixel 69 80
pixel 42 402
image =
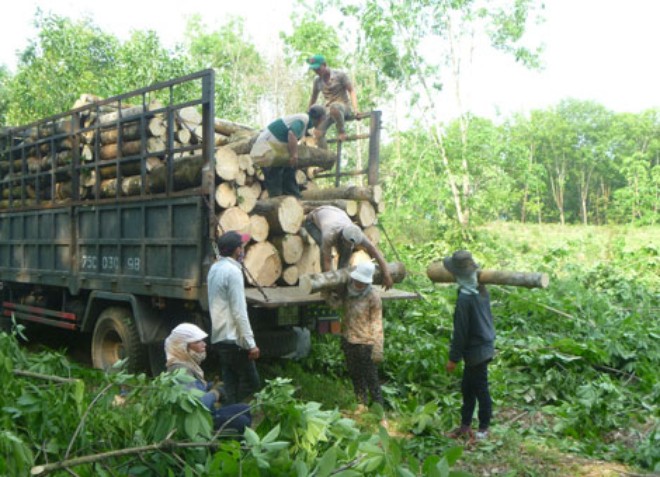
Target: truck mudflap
pixel 295 296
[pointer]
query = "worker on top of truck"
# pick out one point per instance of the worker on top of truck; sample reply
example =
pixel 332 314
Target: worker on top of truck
pixel 231 333
pixel 331 227
pixel 281 133
pixel 339 95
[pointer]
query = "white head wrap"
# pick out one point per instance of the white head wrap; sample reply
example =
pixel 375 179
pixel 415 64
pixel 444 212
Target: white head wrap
pixel 176 347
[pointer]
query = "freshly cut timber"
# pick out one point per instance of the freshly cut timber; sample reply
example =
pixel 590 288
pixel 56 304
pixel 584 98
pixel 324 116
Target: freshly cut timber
pixel 370 193
pixel 290 247
pixel 348 206
pixel 259 229
pixel 227 128
pixel 284 214
pixel 290 275
pixel 225 195
pixel 226 164
pixel 233 218
pixel 366 215
pixel 307 157
pixel 312 283
pixel 263 264
pixel 310 262
pixel 439 274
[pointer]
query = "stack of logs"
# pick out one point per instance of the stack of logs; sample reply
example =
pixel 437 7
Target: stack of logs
pixel 280 251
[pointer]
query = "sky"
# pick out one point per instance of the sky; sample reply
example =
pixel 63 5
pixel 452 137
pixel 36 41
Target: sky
pixel 600 50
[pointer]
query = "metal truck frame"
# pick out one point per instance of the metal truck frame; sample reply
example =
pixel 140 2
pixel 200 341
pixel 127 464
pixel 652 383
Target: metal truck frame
pixel 128 269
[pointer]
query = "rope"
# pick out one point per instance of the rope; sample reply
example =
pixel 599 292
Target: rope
pixel 398 257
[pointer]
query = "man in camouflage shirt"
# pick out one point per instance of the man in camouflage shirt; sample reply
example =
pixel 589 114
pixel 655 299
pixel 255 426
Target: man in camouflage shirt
pixel 339 95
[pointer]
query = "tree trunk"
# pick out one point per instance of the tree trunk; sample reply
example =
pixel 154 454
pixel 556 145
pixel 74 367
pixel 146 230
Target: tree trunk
pixel 310 262
pixel 227 128
pixel 264 264
pixel 438 274
pixel 370 193
pixel 312 283
pixel 348 206
pixel 307 157
pixel 290 276
pixel 259 229
pixel 226 163
pixel 284 214
pixel 247 197
pixel 289 246
pixel 225 195
pixel 233 219
pixel 366 216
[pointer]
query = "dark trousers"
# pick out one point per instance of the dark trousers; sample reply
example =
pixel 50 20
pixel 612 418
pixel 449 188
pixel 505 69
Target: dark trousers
pixel 232 416
pixel 239 373
pixel 344 248
pixel 475 388
pixel 281 181
pixel 362 371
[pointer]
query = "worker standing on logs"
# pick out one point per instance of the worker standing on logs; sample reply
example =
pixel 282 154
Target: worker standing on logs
pixel 285 133
pixel 473 341
pixel 331 227
pixel 339 95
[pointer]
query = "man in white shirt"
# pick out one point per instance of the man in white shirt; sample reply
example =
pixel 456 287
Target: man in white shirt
pixel 231 333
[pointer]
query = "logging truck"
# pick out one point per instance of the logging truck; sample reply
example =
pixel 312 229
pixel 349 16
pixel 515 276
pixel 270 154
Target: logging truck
pixel 109 211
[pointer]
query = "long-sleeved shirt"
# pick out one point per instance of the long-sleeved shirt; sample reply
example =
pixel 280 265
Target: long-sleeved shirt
pixel 229 317
pixel 473 339
pixel 362 319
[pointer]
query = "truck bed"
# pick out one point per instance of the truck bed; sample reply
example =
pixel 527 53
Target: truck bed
pixel 292 296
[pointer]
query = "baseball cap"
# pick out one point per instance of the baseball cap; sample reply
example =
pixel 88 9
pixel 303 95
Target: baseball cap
pixel 315 61
pixel 230 241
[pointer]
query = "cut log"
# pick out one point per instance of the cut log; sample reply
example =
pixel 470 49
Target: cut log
pixel 130 148
pixel 284 214
pixel 310 262
pixel 348 206
pixel 247 197
pixel 245 163
pixel 189 117
pixel 373 234
pixel 225 195
pixel 301 177
pixel 227 128
pixel 187 173
pixel 307 157
pixel 157 127
pixel 233 219
pixel 289 276
pixel 366 215
pixel 126 113
pixel 226 163
pixel 289 246
pixel 314 282
pixel 259 229
pixel 241 143
pixel 439 274
pixel 263 264
pixel 370 193
pixel 183 136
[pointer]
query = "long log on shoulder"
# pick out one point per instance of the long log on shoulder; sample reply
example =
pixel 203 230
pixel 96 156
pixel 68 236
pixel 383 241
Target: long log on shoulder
pixel 371 193
pixel 439 274
pixel 314 282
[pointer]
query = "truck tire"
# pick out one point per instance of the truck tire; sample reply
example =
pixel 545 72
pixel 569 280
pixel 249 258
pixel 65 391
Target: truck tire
pixel 115 338
pixel 276 343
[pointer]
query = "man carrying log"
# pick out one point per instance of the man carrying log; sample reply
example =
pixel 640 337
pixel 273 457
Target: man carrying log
pixel 281 133
pixel 339 95
pixel 473 341
pixel 331 227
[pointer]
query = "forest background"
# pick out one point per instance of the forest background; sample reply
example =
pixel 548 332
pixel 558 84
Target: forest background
pixel 572 190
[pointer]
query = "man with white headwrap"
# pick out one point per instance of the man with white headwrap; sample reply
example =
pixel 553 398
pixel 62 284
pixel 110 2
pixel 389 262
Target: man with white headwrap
pixel 185 348
pixel 330 227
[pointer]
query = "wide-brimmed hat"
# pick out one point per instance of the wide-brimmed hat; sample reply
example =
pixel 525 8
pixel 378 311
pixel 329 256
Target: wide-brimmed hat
pixel 460 263
pixel 364 272
pixel 352 233
pixel 230 241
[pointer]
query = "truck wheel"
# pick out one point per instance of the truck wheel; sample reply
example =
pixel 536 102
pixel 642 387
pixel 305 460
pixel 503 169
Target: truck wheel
pixel 276 343
pixel 116 337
